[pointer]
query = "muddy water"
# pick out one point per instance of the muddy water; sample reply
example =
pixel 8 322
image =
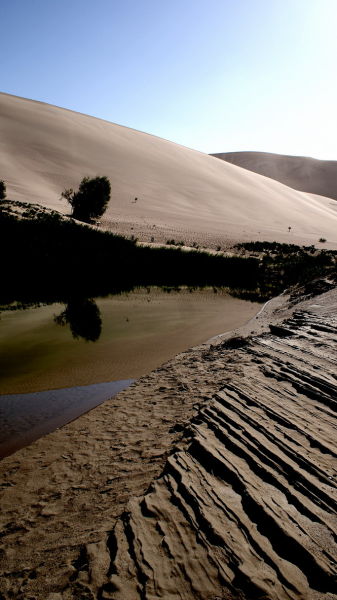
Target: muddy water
pixel 138 332
pixel 54 358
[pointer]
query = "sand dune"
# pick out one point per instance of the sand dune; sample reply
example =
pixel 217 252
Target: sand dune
pixel 299 172
pixel 179 191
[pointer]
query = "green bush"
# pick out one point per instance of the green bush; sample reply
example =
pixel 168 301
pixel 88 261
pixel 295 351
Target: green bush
pixel 91 200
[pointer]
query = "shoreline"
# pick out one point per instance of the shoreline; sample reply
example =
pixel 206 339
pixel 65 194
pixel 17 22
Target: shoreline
pixel 246 326
pixel 32 426
pixel 97 463
pixel 37 414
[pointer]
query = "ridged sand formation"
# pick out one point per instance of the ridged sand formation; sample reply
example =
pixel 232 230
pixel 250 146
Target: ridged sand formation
pixel 160 190
pixel 237 442
pixel 299 172
pixel 248 509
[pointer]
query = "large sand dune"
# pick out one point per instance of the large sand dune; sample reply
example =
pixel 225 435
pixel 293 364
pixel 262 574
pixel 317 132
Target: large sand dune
pixel 299 172
pixel 44 149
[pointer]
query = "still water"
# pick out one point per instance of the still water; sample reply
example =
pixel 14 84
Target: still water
pixel 26 417
pixel 108 339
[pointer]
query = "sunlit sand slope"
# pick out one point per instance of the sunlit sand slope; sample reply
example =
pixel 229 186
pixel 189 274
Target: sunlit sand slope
pixel 299 172
pixel 45 149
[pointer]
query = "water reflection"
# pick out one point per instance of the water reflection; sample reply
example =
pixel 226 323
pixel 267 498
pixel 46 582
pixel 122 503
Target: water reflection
pixel 133 333
pixel 83 317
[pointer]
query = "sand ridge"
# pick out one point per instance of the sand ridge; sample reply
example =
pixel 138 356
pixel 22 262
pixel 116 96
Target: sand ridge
pixel 158 188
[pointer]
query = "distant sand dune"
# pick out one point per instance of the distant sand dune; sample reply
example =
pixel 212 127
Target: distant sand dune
pixel 299 172
pixel 45 149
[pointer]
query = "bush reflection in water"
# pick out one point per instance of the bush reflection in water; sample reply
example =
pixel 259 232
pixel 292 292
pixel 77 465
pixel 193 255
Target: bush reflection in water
pixel 83 317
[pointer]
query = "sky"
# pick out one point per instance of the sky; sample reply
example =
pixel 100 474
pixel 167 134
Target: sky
pixel 213 75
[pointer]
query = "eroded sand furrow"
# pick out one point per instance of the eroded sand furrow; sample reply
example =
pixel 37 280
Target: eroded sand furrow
pixel 223 528
pixel 271 468
pixel 249 428
pixel 248 509
pixel 289 353
pixel 285 399
pixel 274 542
pixel 267 509
pixel 314 388
pixel 297 416
pixel 329 390
pixel 167 559
pixel 297 350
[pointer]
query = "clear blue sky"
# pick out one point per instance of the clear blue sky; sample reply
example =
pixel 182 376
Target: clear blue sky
pixel 214 75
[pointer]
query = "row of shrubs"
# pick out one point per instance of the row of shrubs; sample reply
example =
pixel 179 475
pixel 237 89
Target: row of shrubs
pixel 277 247
pixel 49 258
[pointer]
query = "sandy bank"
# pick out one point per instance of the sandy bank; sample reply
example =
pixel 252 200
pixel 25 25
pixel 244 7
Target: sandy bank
pixel 63 494
pixel 92 467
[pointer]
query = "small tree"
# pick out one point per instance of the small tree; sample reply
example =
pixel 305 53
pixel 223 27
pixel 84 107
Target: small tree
pixel 2 190
pixel 91 200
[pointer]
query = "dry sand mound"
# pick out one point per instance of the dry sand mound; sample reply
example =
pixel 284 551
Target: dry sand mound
pixel 45 149
pixel 299 172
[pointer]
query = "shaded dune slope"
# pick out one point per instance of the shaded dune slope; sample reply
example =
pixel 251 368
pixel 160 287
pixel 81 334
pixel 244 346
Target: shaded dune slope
pixel 248 510
pixel 45 149
pixel 299 172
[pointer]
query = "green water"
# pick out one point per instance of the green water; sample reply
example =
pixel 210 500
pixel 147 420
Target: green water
pixel 139 331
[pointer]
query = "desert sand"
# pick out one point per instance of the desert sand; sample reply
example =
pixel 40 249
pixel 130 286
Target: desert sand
pixel 160 189
pixel 299 172
pixel 213 478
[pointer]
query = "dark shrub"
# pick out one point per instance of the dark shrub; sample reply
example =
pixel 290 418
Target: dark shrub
pixel 235 342
pixel 2 190
pixel 91 200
